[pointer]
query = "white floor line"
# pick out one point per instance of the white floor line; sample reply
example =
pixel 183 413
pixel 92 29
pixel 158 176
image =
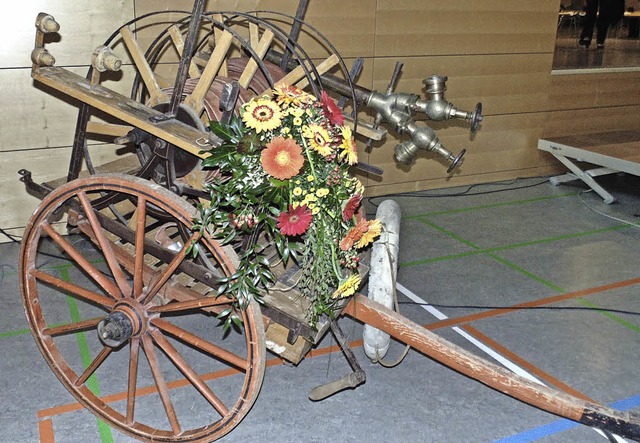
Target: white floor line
pixel 484 348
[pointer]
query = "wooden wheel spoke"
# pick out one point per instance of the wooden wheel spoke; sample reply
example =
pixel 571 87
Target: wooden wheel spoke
pixel 108 285
pixel 195 100
pixel 94 365
pixel 201 344
pixel 163 390
pixel 163 276
pixel 200 303
pixel 252 66
pixel 178 42
pixel 189 373
pixel 70 328
pixel 134 352
pixel 72 288
pixel 149 78
pixel 138 267
pixel 105 245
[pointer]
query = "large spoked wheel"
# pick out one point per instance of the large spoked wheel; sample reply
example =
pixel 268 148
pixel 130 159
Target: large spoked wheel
pixel 232 62
pixel 125 315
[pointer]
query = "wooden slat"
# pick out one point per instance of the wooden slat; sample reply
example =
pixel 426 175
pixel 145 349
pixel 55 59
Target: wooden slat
pixel 261 49
pixel 123 108
pixel 195 99
pixel 147 74
pixel 110 129
pixel 178 41
pixel 298 77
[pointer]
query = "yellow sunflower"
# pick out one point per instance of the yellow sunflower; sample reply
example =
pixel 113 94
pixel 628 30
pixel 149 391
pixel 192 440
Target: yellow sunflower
pixel 347 287
pixel 319 139
pixel 262 115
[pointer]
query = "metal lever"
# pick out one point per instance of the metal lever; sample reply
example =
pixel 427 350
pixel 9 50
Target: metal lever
pixel 392 85
pixel 350 380
pixel 228 100
pixel 355 71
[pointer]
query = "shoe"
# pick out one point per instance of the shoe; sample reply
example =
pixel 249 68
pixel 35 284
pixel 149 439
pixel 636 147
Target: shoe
pixel 600 46
pixel 584 42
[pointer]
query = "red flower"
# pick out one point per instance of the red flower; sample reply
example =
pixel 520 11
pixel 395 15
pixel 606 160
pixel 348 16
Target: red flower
pixel 296 221
pixel 351 207
pixel 282 158
pixel 331 110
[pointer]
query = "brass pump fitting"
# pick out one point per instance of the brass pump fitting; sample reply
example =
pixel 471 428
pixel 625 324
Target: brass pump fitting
pixel 103 60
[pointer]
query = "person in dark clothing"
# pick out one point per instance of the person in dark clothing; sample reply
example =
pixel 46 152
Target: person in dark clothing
pixel 610 11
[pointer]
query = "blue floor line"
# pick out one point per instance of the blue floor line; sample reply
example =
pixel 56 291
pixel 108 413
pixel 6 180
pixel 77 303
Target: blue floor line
pixel 563 425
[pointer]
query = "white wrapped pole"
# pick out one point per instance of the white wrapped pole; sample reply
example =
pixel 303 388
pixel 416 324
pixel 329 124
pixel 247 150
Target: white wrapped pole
pixel 382 275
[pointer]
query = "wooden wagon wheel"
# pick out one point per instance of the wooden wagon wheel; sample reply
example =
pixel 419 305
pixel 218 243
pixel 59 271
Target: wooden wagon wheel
pixel 140 333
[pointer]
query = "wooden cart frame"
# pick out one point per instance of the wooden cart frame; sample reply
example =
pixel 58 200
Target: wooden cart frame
pixel 142 281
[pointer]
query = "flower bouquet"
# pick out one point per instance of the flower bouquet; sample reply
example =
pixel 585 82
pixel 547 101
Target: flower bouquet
pixel 283 180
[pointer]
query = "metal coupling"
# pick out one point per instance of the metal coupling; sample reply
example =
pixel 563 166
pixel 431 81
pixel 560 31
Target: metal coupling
pixel 45 23
pixel 103 59
pixel 424 138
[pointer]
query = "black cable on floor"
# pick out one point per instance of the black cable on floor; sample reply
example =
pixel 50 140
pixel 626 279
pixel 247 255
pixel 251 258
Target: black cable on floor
pixel 465 193
pixel 523 308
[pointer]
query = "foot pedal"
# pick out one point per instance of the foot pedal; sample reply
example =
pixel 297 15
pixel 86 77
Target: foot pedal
pixel 349 381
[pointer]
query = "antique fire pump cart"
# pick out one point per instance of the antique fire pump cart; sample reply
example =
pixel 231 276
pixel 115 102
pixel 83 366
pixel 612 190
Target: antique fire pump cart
pixel 154 281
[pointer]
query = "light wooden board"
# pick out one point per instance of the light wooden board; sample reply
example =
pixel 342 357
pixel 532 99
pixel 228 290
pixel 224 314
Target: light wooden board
pixel 589 120
pixel 595 90
pixel 408 27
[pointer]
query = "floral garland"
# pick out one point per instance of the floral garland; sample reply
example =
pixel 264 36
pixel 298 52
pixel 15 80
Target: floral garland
pixel 283 175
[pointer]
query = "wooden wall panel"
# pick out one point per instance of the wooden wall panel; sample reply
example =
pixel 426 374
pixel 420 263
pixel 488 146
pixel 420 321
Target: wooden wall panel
pixel 409 27
pixel 591 120
pixel 593 90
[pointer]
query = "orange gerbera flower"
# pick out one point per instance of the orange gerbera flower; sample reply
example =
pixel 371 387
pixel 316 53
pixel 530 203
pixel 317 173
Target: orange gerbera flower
pixel 374 228
pixel 354 235
pixel 282 158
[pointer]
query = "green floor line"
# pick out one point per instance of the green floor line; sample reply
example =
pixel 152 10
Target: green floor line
pixel 449 233
pixel 15 333
pixel 478 250
pixel 526 273
pixel 92 382
pixel 489 253
pixel 610 315
pixel 489 206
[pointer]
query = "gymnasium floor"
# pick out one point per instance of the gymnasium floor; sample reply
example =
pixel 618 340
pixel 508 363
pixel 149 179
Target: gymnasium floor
pixel 568 260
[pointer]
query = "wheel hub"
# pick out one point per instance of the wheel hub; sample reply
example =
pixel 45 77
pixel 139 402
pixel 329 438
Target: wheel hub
pixel 128 319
